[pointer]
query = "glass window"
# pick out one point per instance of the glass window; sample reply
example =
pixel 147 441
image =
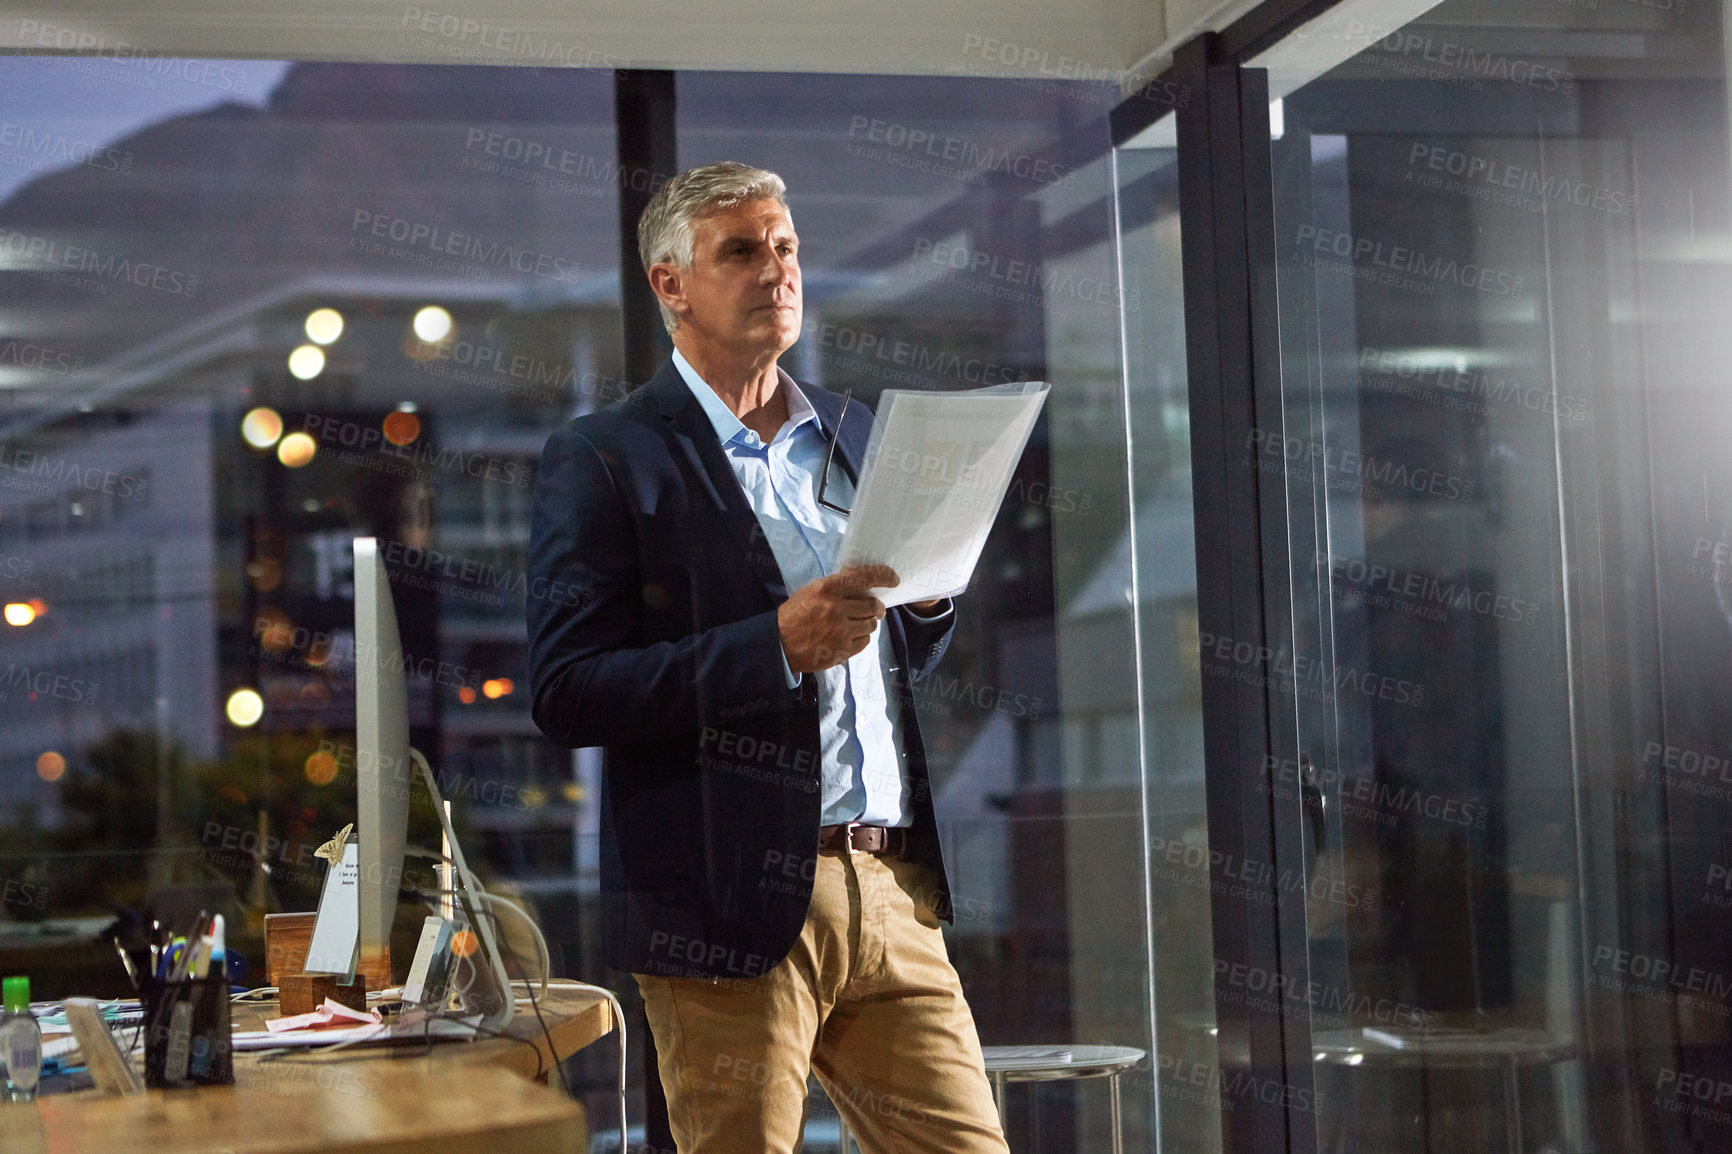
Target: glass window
pixel 1501 236
pixel 270 307
pixel 252 310
pixel 954 234
pixel 1156 586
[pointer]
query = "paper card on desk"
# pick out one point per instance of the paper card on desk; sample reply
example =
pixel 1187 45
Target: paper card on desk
pixel 406 1030
pixel 243 1040
pixel 936 470
pixel 338 928
pixel 328 1015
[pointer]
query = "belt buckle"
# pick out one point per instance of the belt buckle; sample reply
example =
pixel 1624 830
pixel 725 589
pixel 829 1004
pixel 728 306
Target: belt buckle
pixel 848 836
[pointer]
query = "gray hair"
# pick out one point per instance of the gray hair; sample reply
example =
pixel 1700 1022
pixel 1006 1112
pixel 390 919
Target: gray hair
pixel 664 232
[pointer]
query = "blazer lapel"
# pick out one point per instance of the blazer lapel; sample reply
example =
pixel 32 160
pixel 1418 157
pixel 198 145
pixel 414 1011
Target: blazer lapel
pixel 695 439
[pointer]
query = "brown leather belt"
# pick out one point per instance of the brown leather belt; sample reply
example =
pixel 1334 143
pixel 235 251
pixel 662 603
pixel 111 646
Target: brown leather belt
pixel 856 838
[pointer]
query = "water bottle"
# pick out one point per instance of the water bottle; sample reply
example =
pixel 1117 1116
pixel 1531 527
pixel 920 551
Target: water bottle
pixel 20 1042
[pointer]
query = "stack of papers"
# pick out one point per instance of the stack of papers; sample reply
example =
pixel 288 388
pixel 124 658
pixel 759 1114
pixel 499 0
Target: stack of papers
pixel 937 468
pixel 411 1026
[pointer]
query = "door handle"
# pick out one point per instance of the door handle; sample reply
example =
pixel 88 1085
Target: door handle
pixel 1316 804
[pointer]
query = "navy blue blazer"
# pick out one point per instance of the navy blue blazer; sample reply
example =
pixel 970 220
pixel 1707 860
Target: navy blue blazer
pixel 662 646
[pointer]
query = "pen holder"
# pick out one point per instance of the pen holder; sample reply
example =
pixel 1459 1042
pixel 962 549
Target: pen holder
pixel 186 1033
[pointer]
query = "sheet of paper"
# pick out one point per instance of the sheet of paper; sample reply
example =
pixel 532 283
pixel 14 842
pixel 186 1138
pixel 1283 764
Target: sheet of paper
pixel 406 1029
pixel 338 927
pixel 54 1045
pixel 936 470
pixel 331 1014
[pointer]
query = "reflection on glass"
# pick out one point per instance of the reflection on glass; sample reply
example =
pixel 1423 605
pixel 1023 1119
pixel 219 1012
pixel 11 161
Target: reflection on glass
pixel 245 707
pixel 307 362
pixel 955 235
pixel 432 324
pixel 1161 576
pixel 262 427
pixel 355 271
pixel 324 326
pixel 1500 246
pixel 209 396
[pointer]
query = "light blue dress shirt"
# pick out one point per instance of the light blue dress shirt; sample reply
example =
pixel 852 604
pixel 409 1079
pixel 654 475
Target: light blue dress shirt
pixel 864 762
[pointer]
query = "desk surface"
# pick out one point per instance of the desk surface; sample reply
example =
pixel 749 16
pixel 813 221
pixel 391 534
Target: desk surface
pixel 574 1018
pixel 456 1098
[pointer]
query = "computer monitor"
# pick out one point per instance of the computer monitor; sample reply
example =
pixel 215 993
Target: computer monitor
pixel 384 772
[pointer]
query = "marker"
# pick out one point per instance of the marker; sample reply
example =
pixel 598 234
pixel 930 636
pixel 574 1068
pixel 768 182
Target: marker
pixel 209 949
pixel 218 954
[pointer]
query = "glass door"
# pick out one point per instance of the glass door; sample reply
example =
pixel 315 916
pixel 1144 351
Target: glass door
pixel 1158 582
pixel 1501 245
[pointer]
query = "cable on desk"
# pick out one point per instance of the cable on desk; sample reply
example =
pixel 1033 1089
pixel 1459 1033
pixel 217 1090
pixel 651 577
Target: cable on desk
pixel 613 1002
pixel 540 1062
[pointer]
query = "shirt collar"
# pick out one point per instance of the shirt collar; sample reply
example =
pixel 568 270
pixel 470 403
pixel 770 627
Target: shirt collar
pixel 730 428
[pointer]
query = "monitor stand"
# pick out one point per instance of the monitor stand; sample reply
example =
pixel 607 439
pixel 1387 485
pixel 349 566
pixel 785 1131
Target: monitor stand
pixel 497 1017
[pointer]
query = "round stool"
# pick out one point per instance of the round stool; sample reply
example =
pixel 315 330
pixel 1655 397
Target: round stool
pixel 1050 1064
pixel 1506 1050
pixel 1058 1064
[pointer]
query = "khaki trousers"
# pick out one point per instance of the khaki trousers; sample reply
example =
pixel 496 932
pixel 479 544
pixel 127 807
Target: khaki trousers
pixel 867 999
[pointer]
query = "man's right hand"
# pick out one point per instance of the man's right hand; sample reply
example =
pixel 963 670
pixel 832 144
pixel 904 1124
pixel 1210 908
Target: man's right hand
pixel 831 619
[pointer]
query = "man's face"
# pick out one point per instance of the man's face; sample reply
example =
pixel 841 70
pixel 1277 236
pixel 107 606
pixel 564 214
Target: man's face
pixel 742 290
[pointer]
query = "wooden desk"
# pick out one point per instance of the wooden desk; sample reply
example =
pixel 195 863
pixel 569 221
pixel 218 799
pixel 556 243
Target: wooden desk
pixel 459 1098
pixel 574 1018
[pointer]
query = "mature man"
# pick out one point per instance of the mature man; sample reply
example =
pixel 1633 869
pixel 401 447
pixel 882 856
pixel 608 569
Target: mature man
pixel 770 864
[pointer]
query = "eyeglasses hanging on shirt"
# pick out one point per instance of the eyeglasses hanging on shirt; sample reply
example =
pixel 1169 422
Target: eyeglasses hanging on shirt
pixel 830 455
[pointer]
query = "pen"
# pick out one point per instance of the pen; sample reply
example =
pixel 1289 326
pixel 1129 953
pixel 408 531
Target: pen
pixel 190 957
pixel 182 962
pixel 172 955
pixel 126 961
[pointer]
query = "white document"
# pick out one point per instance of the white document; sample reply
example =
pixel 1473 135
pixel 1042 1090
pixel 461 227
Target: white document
pixel 936 470
pixel 411 1026
pixel 338 926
